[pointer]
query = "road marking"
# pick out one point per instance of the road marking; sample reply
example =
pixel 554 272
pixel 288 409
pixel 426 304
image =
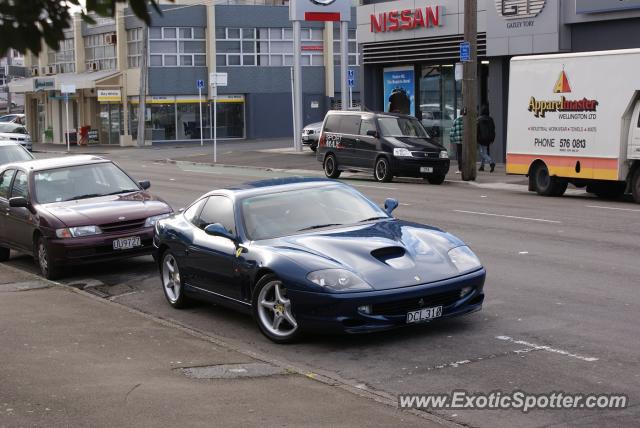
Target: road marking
pixel 373 187
pixel 507 216
pixel 613 208
pixel 203 171
pixel 535 347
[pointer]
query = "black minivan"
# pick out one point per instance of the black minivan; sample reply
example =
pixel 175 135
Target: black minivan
pixel 387 144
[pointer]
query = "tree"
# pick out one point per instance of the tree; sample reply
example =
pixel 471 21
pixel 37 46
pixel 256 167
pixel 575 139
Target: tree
pixel 24 24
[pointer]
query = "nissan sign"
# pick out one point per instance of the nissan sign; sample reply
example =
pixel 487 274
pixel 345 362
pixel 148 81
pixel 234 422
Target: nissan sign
pixel 320 10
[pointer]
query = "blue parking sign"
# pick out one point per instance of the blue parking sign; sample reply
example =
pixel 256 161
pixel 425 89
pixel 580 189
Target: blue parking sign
pixel 351 73
pixel 200 83
pixel 351 83
pixel 465 52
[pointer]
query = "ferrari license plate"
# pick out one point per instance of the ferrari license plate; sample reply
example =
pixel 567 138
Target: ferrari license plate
pixel 127 243
pixel 425 314
pixel 426 169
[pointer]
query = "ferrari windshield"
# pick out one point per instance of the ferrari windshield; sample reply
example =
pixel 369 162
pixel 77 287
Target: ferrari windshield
pixel 286 213
pixel 82 182
pixel 401 127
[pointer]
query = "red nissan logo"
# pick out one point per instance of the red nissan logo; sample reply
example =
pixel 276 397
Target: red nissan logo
pixel 323 2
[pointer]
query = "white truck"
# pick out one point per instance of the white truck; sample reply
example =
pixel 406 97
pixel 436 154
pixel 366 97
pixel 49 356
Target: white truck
pixel 575 118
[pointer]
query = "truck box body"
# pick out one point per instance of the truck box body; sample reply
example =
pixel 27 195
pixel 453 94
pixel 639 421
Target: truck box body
pixel 574 112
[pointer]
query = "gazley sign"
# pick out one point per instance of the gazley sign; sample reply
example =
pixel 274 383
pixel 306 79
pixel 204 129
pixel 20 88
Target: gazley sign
pixel 407 19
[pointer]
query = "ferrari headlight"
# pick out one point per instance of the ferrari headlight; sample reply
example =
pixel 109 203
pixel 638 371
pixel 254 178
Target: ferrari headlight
pixel 78 232
pixel 444 154
pixel 339 280
pixel 151 221
pixel 464 259
pixel 402 153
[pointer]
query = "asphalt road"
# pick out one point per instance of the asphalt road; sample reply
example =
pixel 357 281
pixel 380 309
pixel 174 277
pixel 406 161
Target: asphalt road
pixel 560 313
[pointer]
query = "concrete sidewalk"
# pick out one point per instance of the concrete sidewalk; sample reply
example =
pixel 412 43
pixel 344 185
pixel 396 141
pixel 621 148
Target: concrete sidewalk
pixel 71 359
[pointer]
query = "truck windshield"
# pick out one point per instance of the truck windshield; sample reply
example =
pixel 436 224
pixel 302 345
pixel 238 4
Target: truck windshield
pixel 401 127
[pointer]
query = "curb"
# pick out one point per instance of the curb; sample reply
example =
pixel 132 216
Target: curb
pixel 329 379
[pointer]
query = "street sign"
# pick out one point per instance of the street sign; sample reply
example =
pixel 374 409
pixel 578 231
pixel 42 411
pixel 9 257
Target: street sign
pixel 218 79
pixel 199 83
pixel 351 73
pixel 465 52
pixel 68 89
pixel 351 82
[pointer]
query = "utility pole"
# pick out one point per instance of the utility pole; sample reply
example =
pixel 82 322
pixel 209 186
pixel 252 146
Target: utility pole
pixel 142 98
pixel 7 79
pixel 470 92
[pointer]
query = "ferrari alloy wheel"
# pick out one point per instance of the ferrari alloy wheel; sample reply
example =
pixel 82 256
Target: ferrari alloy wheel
pixel 273 311
pixel 171 281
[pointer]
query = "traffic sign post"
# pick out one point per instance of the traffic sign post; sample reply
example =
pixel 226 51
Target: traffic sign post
pixel 465 52
pixel 200 85
pixel 351 83
pixel 215 80
pixel 66 90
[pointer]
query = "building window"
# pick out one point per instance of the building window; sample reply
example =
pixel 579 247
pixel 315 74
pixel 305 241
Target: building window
pixel 134 47
pixel 177 46
pixel 353 46
pixel 267 47
pixel 101 49
pixel 64 58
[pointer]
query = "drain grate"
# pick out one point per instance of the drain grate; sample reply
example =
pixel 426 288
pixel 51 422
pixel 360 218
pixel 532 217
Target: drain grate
pixel 233 371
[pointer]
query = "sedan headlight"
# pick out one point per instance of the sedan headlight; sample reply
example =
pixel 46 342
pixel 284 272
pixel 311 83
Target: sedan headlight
pixel 339 280
pixel 402 153
pixel 444 154
pixel 464 259
pixel 78 232
pixel 151 221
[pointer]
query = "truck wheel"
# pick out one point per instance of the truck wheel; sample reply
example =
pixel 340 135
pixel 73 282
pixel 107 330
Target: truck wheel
pixel 546 185
pixel 635 186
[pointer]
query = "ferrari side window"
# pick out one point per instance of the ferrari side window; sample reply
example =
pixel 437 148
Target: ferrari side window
pixel 191 213
pixel 218 209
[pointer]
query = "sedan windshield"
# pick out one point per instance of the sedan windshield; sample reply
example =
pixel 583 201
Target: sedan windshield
pixel 13 153
pixel 81 182
pixel 12 128
pixel 286 213
pixel 401 127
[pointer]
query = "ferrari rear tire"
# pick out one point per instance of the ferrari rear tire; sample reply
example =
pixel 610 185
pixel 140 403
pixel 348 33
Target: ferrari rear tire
pixel 273 310
pixel 172 283
pixel 4 254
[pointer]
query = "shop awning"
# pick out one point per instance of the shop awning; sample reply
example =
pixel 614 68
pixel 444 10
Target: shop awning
pixel 86 80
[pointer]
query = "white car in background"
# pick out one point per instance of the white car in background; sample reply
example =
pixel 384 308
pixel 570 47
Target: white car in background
pixel 16 133
pixel 11 152
pixel 311 135
pixel 18 118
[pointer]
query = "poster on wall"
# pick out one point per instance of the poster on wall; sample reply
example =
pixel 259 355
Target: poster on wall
pixel 399 88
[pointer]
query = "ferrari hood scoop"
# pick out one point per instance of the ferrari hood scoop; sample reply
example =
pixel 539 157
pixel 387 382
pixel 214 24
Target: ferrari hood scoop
pixel 396 257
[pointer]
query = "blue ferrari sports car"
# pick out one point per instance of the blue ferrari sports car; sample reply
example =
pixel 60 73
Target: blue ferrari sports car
pixel 305 254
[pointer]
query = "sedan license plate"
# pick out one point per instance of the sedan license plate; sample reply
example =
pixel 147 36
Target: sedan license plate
pixel 425 314
pixel 127 243
pixel 426 169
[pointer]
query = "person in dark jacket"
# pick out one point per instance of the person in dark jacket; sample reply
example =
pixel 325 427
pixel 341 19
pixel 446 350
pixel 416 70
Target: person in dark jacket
pixel 486 137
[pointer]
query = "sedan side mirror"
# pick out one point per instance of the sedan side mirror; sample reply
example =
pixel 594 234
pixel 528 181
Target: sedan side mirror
pixel 18 202
pixel 216 229
pixel 145 184
pixel 372 133
pixel 390 205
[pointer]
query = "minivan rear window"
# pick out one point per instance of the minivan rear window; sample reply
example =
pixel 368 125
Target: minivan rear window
pixel 332 124
pixel 343 124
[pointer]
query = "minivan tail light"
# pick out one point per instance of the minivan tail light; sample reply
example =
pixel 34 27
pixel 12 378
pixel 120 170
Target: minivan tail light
pixel 321 140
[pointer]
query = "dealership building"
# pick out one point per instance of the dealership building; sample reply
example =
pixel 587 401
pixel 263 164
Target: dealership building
pixel 411 47
pixel 251 41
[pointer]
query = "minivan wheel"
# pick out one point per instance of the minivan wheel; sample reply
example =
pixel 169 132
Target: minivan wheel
pixel 313 147
pixel 635 186
pixel 331 167
pixel 435 178
pixel 382 170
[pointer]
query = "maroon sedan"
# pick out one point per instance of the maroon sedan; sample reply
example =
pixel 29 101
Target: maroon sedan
pixel 75 210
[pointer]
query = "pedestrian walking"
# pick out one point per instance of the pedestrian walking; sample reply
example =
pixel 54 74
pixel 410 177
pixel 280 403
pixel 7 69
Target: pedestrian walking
pixel 486 137
pixel 456 134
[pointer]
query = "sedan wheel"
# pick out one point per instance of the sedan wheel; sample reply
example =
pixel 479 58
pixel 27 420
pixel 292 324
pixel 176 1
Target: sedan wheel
pixel 172 282
pixel 273 311
pixel 47 267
